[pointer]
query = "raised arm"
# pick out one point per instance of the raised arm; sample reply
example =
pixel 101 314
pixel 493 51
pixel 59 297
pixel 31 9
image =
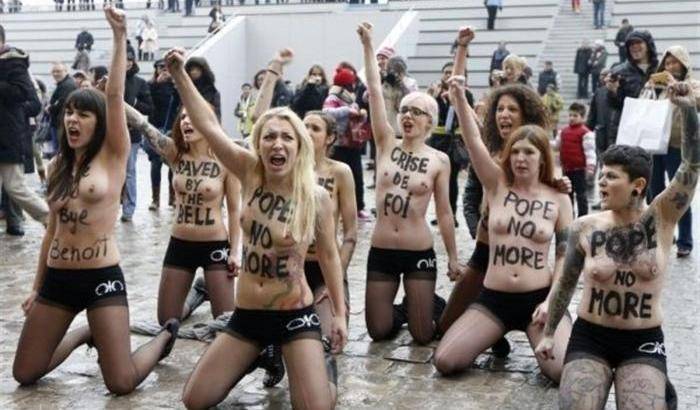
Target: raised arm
pixel 162 144
pixel 486 168
pixel 117 138
pixel 381 130
pixel 677 197
pixel 563 290
pixel 267 89
pixel 234 157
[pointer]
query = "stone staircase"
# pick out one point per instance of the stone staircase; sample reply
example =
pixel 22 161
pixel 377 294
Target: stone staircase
pixel 568 30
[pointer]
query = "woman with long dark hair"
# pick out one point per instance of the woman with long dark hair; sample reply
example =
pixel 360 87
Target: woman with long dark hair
pixel 79 260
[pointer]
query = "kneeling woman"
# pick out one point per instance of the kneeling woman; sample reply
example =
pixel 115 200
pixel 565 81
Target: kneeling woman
pixel 283 211
pixel 525 213
pixel 623 254
pixel 199 236
pixel 79 260
pixel 409 173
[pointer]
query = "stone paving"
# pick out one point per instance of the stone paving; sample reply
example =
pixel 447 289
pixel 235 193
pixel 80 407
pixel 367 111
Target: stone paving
pixel 389 375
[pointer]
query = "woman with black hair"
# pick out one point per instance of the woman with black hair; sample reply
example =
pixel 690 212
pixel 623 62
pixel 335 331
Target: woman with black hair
pixel 203 78
pixel 79 260
pixel 312 91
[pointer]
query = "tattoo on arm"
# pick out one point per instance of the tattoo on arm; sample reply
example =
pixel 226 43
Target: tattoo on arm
pixel 159 141
pixel 566 285
pixel 691 138
pixel 561 238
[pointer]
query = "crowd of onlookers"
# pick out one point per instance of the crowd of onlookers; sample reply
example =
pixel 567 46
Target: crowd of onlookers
pixel 592 127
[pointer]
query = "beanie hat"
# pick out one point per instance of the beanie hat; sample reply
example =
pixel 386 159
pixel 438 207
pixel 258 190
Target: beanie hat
pixel 343 77
pixel 386 51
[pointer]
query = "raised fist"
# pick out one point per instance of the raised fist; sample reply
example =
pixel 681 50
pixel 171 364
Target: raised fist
pixel 364 30
pixel 116 19
pixel 465 35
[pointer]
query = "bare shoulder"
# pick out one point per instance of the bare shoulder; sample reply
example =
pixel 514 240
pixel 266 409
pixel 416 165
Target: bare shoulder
pixel 340 169
pixel 323 198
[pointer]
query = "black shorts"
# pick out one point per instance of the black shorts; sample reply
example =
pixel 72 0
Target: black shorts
pixel 617 347
pixel 480 258
pixel 389 264
pixel 512 310
pixel 265 327
pixel 78 289
pixel 191 255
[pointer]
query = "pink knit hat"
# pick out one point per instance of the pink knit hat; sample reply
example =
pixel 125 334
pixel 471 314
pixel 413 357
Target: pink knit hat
pixel 386 51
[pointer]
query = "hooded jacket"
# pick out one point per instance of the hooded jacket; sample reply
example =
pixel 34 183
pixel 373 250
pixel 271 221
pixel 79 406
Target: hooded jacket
pixel 632 78
pixel 682 55
pixel 16 89
pixel 138 95
pixel 205 83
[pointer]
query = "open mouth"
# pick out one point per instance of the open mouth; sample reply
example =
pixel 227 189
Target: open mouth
pixel 603 196
pixel 187 132
pixel 406 127
pixel 73 133
pixel 278 160
pixel 505 127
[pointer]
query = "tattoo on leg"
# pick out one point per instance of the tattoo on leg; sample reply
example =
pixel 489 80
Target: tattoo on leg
pixel 585 384
pixel 639 392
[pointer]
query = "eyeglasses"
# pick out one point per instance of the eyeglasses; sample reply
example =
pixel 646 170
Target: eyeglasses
pixel 415 111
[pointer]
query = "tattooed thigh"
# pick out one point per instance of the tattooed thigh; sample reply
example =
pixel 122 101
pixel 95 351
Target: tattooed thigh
pixel 585 384
pixel 640 386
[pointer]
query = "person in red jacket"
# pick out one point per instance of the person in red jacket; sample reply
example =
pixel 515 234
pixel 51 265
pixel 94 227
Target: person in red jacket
pixel 577 155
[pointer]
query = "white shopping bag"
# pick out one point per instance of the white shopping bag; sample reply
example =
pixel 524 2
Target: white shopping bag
pixel 646 123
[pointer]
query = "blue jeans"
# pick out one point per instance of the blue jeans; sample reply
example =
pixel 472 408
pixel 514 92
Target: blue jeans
pixel 129 194
pixel 668 164
pixel 599 14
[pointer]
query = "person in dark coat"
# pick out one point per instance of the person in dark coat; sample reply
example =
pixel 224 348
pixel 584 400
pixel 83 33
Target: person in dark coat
pixel 203 77
pixel 16 90
pixel 64 86
pixel 138 95
pixel 625 29
pixel 582 68
pixel 165 106
pixel 312 92
pixel 628 79
pixel 599 116
pixel 498 56
pixel 84 41
pixel 546 77
pixel 599 59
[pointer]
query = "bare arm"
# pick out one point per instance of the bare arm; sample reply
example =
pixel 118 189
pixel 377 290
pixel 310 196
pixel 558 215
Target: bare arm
pixel 329 260
pixel 267 89
pixel 381 130
pixel 348 214
pixel 117 138
pixel 233 207
pixel 237 159
pixel 676 198
pixel 443 212
pixel 564 287
pixel 484 165
pixel 162 144
pixel 561 237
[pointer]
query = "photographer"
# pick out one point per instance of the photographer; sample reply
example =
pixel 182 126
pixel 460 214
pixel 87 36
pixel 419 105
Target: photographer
pixel 395 85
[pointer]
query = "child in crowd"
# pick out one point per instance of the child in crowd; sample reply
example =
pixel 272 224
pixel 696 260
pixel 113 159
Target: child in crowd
pixel 577 156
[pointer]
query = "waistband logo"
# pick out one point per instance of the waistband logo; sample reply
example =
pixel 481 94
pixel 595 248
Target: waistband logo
pixel 310 320
pixel 653 348
pixel 428 263
pixel 109 287
pixel 219 255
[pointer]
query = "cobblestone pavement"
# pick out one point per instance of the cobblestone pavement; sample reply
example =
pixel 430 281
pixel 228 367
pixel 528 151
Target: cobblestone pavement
pixel 390 375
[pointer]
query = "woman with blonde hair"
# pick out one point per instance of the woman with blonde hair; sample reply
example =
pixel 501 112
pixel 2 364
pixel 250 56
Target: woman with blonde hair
pixel 284 210
pixel 514 70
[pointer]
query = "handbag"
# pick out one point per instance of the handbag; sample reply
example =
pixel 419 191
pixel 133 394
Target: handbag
pixel 646 123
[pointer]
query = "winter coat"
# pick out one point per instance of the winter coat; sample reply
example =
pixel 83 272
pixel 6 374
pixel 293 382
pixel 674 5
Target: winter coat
pixel 150 39
pixel 471 201
pixel 63 89
pixel 84 41
pixel 210 93
pixel 339 104
pixel 581 64
pixel 622 34
pixel 576 148
pixel 165 104
pixel 632 78
pixel 30 108
pixel 138 95
pixel 682 55
pixel 282 96
pixel 497 59
pixel 598 120
pixel 545 78
pixel 16 89
pixel 599 59
pixel 309 97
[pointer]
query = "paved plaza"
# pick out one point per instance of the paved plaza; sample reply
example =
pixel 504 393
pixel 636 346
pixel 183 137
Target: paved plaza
pixel 388 375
